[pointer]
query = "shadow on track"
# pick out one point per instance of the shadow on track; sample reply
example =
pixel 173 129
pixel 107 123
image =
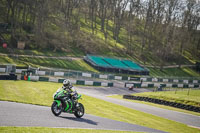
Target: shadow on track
pixel 80 120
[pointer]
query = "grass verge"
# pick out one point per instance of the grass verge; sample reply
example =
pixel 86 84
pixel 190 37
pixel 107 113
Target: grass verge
pixel 157 105
pixel 41 93
pixel 54 130
pixel 189 96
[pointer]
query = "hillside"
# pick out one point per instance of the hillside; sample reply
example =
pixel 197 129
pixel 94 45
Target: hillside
pixel 115 29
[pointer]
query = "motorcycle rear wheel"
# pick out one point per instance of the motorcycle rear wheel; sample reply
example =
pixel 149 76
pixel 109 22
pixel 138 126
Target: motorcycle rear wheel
pixel 79 111
pixel 55 109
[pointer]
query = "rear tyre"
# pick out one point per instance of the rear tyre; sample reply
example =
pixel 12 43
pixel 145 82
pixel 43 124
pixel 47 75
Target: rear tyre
pixel 79 110
pixel 55 109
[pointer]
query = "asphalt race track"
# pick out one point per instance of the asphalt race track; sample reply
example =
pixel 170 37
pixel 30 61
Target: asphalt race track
pixel 98 92
pixel 18 114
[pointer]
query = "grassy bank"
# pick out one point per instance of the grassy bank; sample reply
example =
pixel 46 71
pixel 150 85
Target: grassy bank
pixel 78 64
pixel 81 65
pixel 174 72
pixel 41 93
pixel 73 52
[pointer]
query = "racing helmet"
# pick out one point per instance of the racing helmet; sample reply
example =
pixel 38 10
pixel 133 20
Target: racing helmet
pixel 66 83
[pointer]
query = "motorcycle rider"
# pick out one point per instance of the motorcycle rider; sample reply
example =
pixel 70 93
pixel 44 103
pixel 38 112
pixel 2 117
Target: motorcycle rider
pixel 67 86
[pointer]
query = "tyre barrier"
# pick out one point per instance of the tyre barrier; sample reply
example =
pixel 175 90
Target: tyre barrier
pixel 163 102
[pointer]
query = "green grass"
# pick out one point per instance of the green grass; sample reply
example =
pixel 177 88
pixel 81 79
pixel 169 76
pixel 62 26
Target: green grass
pixel 41 93
pixel 74 52
pixel 100 35
pixel 156 105
pixel 188 55
pixel 8 60
pixel 180 96
pixel 174 72
pixel 78 64
pixel 54 130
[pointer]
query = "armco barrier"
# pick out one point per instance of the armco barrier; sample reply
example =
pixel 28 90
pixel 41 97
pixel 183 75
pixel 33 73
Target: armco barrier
pixel 97 83
pixel 3 70
pixel 60 80
pixel 165 80
pixel 45 72
pixel 8 77
pixel 43 79
pixel 78 82
pixel 163 102
pixel 110 84
pixel 152 85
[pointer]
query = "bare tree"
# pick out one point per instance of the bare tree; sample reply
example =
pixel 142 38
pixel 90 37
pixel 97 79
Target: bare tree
pixel 119 12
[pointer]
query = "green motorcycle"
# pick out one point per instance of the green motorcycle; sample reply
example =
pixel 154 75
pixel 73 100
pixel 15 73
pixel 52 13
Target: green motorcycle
pixel 64 102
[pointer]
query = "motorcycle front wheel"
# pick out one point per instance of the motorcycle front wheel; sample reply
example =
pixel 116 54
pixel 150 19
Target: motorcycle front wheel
pixel 79 110
pixel 55 109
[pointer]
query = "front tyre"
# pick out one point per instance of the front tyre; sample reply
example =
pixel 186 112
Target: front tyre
pixel 55 109
pixel 79 110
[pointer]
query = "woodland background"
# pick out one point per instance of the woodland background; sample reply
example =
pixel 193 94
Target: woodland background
pixel 157 31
